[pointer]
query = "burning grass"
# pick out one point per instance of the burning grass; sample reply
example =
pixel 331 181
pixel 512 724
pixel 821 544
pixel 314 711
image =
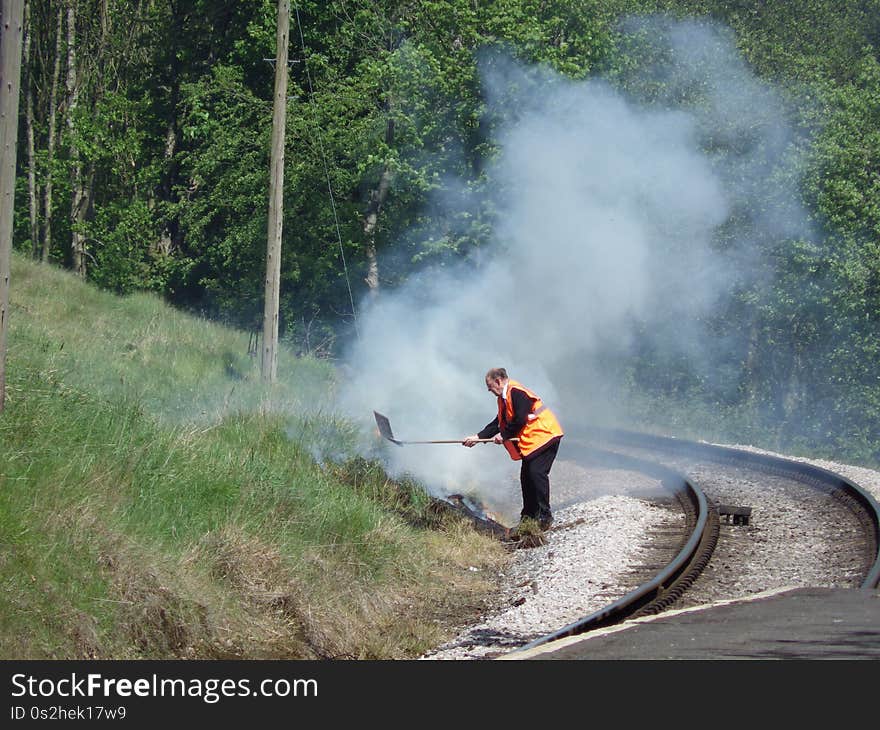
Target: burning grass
pixel 126 533
pixel 120 559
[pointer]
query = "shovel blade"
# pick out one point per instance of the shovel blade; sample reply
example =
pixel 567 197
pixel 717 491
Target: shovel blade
pixel 385 428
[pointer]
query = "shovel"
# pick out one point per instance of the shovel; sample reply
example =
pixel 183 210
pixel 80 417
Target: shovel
pixel 385 429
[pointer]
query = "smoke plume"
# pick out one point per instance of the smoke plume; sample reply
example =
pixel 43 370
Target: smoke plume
pixel 610 194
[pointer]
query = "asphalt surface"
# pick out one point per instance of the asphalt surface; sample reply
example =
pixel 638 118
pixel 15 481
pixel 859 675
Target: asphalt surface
pixel 796 623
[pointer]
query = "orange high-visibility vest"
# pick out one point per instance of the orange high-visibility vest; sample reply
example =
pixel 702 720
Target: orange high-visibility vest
pixel 541 425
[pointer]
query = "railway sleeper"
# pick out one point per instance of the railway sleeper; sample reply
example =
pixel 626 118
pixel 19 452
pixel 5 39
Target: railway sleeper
pixel 737 515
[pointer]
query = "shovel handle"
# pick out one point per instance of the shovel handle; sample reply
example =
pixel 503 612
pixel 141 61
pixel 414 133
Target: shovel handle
pixel 450 441
pixel 385 431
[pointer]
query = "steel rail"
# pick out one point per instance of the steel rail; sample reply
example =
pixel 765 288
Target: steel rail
pixel 649 597
pixel 864 505
pixel 667 585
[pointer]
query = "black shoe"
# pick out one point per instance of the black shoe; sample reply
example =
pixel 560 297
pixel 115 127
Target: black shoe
pixel 545 522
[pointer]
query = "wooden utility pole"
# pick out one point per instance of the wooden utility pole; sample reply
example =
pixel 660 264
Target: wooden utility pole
pixel 276 198
pixel 11 27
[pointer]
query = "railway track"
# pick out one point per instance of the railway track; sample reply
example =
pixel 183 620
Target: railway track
pixel 751 522
pixel 672 539
pixel 663 588
pixel 841 517
pixel 830 527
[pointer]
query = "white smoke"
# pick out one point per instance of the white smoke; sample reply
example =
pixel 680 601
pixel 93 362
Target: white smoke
pixel 606 213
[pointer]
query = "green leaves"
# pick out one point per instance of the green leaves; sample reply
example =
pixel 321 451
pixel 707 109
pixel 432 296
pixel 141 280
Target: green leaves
pixel 174 124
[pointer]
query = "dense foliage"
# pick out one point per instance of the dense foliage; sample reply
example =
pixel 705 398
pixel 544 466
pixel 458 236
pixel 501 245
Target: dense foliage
pixel 172 131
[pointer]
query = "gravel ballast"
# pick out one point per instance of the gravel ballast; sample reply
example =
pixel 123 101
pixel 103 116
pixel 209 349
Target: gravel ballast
pixel 600 538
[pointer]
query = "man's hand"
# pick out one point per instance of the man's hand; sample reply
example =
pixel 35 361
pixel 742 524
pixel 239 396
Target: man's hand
pixel 498 439
pixel 471 441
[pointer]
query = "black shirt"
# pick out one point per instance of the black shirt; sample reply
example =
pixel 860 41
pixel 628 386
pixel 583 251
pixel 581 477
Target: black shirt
pixel 522 407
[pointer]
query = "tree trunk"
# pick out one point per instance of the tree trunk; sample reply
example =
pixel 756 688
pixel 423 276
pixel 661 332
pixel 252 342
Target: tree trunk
pixel 169 238
pixel 371 220
pixel 371 217
pixel 77 185
pixel 11 13
pixel 276 198
pixel 29 131
pixel 166 239
pixel 50 143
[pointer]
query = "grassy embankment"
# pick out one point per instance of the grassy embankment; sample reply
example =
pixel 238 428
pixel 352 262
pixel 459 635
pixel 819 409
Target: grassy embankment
pixel 158 501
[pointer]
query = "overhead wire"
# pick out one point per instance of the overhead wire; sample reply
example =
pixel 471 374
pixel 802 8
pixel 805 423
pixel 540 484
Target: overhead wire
pixel 327 174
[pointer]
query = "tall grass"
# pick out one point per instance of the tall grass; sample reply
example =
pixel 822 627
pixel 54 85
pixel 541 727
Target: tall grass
pixel 158 500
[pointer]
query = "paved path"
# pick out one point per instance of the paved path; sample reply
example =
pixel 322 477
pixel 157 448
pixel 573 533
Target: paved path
pixel 795 623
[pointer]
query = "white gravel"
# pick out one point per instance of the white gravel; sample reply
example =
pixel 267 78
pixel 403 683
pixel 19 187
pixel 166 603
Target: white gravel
pixel 586 561
pixel 582 567
pixel 867 479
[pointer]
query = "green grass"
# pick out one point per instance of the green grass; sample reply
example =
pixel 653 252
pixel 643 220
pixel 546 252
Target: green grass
pixel 158 500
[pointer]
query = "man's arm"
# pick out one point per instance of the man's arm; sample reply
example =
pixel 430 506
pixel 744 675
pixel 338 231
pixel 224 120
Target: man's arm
pixel 490 430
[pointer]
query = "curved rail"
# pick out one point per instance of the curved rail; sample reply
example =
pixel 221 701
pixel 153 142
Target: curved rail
pixel 860 500
pixel 640 601
pixel 667 585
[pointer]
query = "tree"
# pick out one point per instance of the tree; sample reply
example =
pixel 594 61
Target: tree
pixel 276 198
pixel 51 138
pixel 29 132
pixel 78 196
pixel 11 20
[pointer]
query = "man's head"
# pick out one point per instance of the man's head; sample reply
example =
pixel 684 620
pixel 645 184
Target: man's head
pixel 496 379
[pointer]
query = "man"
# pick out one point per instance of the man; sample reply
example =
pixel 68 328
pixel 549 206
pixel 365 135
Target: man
pixel 530 432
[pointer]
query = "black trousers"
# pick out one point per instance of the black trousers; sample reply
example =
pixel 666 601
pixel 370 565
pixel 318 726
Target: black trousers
pixel 534 477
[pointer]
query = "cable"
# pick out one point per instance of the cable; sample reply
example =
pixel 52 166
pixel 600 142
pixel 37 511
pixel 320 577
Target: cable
pixel 327 175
